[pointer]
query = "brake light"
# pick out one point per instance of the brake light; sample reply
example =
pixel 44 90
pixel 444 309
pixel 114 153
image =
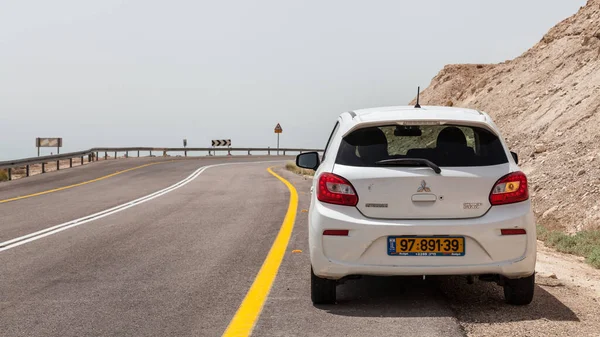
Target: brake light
pixel 510 189
pixel 334 189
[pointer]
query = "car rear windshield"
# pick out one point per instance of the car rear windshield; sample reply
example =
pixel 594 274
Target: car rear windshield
pixel 444 145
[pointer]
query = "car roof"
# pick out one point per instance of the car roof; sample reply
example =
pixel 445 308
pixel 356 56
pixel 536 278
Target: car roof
pixel 364 117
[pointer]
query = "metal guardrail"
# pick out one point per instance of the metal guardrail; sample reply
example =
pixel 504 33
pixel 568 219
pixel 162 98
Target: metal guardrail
pixel 95 153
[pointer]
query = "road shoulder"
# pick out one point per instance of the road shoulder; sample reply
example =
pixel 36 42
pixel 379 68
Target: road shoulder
pixel 566 301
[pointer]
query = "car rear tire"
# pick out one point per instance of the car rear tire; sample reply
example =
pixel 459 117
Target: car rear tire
pixel 322 290
pixel 519 291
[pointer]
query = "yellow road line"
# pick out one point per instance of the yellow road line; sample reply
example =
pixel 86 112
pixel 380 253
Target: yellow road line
pixel 249 311
pixel 79 184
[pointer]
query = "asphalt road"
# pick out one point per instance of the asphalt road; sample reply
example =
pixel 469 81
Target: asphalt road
pixel 31 214
pixel 180 264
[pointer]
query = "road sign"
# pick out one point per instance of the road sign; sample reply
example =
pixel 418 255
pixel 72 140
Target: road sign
pixel 221 142
pixel 278 130
pixel 48 142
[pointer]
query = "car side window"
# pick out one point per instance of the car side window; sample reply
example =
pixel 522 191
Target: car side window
pixel 335 128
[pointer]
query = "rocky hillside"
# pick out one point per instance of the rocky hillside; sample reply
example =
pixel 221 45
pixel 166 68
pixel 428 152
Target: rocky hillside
pixel 546 103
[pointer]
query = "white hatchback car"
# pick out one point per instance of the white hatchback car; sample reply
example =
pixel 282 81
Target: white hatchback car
pixel 419 191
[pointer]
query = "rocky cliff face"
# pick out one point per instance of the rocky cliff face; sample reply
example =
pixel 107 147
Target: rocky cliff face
pixel 546 103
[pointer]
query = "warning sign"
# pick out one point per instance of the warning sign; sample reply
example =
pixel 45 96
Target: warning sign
pixel 278 128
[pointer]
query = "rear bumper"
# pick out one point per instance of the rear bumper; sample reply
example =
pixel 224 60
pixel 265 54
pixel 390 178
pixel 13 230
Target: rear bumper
pixel 364 250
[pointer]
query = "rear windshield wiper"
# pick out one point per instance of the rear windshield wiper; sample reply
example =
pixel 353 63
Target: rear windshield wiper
pixel 410 162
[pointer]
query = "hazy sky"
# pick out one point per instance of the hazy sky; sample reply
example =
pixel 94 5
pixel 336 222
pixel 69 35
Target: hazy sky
pixel 149 73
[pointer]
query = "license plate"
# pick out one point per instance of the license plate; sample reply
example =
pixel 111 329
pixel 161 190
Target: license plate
pixel 426 246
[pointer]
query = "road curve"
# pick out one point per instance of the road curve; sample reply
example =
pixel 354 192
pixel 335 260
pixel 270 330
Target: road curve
pixel 177 265
pixel 32 214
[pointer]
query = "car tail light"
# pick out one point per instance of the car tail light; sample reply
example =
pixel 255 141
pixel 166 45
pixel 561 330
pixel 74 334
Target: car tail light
pixel 334 189
pixel 510 189
pixel 336 232
pixel 513 231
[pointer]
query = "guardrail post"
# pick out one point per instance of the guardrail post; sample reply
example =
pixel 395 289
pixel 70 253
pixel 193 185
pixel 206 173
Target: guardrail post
pixel 138 153
pixel 82 160
pixel 284 152
pixel 105 155
pixel 115 154
pixel 164 153
pixel 248 152
pixel 43 167
pixel 70 162
pixel 27 170
pixel 58 165
pixel 9 173
pixel 150 153
pixel 269 151
pixel 126 154
pixel 96 156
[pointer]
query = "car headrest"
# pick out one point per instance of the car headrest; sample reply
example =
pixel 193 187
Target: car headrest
pixel 373 145
pixel 451 136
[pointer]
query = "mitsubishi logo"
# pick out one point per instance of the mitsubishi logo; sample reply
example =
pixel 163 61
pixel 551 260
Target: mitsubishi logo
pixel 423 187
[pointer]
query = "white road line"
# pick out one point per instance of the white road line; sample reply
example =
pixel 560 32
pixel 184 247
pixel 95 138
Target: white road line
pixel 6 245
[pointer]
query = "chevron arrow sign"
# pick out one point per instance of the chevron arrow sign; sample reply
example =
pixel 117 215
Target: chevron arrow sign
pixel 221 142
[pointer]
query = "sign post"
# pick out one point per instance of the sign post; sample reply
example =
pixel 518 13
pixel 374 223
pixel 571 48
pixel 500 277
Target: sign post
pixel 278 130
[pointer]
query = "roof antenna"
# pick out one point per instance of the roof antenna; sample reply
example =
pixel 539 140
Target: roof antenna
pixel 418 106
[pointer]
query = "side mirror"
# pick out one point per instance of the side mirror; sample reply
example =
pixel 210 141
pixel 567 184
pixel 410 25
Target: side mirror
pixel 308 160
pixel 515 156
